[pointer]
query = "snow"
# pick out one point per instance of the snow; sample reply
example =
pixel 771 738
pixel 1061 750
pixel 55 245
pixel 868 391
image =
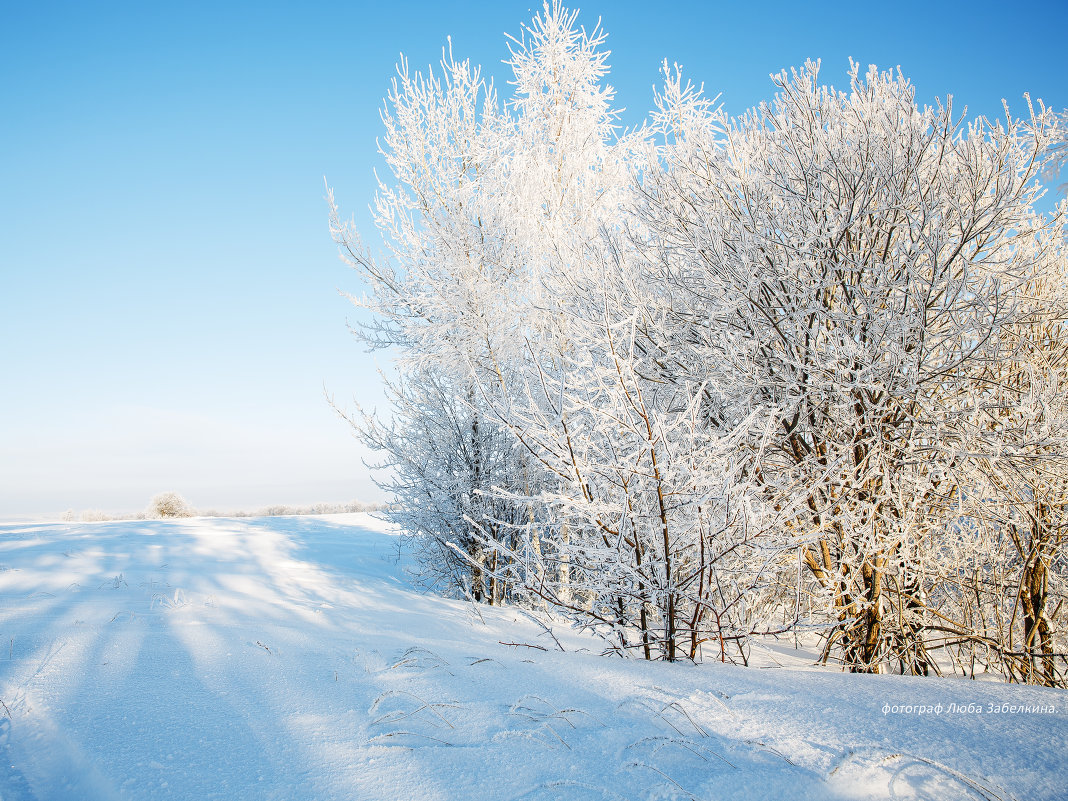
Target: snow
pixel 291 658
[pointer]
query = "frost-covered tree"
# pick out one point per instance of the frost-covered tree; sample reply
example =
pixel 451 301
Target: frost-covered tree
pixel 842 261
pixel 655 545
pixel 439 296
pixel 484 197
pixel 1055 157
pixel 169 505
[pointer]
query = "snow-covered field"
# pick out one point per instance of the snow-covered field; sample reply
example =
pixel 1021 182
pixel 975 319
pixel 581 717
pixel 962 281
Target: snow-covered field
pixel 290 658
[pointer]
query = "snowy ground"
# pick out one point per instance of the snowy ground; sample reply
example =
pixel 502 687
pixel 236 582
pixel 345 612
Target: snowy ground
pixel 289 658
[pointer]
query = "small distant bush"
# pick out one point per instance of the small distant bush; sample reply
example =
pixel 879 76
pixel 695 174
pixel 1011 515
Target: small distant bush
pixel 169 505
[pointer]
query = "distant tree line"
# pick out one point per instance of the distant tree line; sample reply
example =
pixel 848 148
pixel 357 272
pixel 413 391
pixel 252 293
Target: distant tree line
pixel 171 505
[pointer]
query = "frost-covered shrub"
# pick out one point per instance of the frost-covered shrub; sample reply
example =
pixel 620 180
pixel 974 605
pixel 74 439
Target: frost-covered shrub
pixel 167 505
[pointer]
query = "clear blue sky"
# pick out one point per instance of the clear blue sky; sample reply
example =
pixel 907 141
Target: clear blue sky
pixel 168 306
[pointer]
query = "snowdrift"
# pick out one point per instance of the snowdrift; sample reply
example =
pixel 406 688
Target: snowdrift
pixel 290 658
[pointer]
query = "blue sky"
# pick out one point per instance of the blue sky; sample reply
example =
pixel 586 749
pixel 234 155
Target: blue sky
pixel 169 314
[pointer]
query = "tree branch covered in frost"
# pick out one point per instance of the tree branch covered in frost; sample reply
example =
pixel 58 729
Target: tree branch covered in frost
pixel 645 376
pixel 1055 157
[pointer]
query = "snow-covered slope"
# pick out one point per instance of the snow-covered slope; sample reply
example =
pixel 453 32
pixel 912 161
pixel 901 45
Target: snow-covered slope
pixel 289 658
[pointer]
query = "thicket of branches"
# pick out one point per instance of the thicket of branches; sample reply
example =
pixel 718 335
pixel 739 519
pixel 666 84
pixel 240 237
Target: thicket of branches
pixel 797 370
